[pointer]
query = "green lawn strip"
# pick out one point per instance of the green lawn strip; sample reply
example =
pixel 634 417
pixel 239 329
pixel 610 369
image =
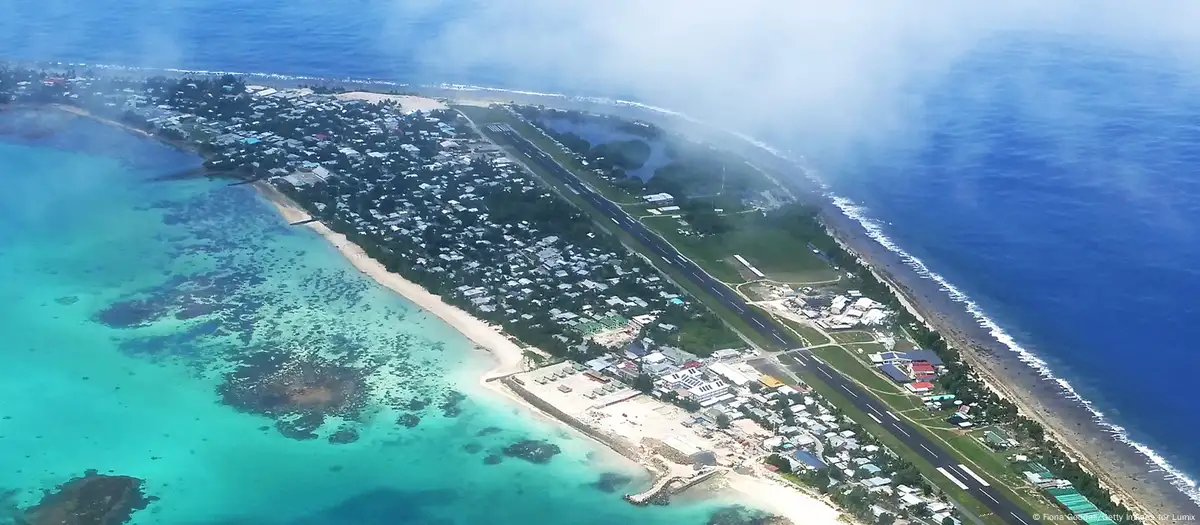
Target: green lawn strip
pixel 773 251
pixel 638 211
pixel 811 335
pixel 854 336
pixel 964 447
pixel 895 398
pixel 780 256
pixel 698 249
pixel 730 318
pixel 999 469
pixel 888 440
pixel 996 464
pixel 987 460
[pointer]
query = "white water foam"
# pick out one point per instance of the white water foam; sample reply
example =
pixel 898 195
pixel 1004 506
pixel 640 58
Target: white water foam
pixel 849 208
pixel 874 230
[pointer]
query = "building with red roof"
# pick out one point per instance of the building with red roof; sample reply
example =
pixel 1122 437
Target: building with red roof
pixel 922 367
pixel 919 386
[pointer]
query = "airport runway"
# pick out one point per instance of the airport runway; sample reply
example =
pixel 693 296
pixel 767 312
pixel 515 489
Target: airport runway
pixel 793 360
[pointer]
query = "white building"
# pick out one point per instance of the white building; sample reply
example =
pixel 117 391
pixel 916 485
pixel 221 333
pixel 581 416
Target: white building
pixel 659 199
pixel 729 374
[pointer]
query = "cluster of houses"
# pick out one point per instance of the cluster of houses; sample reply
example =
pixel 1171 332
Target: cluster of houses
pixel 915 369
pixel 839 312
pixel 764 415
pixel 447 208
pixel 829 311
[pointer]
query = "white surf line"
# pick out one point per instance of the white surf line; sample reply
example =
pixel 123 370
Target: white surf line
pixel 874 229
pixel 893 416
pixel 850 392
pixel 852 210
pixel 931 452
pixel 872 416
pixel 960 484
pixel 973 475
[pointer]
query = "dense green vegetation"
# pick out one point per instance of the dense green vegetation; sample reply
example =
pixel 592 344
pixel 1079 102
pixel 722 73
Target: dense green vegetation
pixel 620 154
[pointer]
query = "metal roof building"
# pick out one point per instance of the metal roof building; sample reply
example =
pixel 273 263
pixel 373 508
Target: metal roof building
pixel 895 373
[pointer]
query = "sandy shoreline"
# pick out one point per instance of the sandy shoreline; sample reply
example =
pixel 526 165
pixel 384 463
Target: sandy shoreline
pixel 508 355
pixel 761 492
pixel 1125 471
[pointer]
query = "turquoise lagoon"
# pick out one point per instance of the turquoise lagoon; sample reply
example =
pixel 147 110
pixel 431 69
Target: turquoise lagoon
pixel 125 299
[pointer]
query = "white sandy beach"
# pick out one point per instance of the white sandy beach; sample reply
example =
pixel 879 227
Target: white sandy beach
pixel 507 353
pixel 762 492
pixel 777 498
pixel 409 103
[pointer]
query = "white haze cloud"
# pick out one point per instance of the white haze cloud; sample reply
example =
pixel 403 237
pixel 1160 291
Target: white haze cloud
pixel 852 69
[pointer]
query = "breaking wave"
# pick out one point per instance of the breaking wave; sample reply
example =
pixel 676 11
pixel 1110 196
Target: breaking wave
pixel 849 208
pixel 874 230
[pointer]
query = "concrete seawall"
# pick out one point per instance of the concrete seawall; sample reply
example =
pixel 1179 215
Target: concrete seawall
pixel 620 445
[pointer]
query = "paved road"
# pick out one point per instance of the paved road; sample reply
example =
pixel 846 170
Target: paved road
pixel 965 477
pixel 753 317
pixel 794 360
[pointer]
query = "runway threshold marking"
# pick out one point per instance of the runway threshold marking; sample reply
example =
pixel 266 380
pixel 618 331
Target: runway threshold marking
pixel 872 416
pixel 973 475
pixel 951 477
pixel 893 416
pixel 929 451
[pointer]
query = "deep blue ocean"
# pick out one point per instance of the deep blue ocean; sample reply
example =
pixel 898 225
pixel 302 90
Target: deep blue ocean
pixel 1068 215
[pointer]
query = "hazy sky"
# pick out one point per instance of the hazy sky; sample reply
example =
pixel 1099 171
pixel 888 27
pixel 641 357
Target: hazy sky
pixel 850 68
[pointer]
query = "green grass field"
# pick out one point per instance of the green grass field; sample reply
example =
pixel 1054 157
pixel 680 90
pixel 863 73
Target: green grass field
pixel 855 336
pixel 774 252
pixel 811 335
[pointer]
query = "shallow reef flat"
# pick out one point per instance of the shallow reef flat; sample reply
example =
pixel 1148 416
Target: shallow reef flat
pixel 175 344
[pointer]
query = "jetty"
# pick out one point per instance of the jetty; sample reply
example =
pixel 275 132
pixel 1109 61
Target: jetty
pixel 668 485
